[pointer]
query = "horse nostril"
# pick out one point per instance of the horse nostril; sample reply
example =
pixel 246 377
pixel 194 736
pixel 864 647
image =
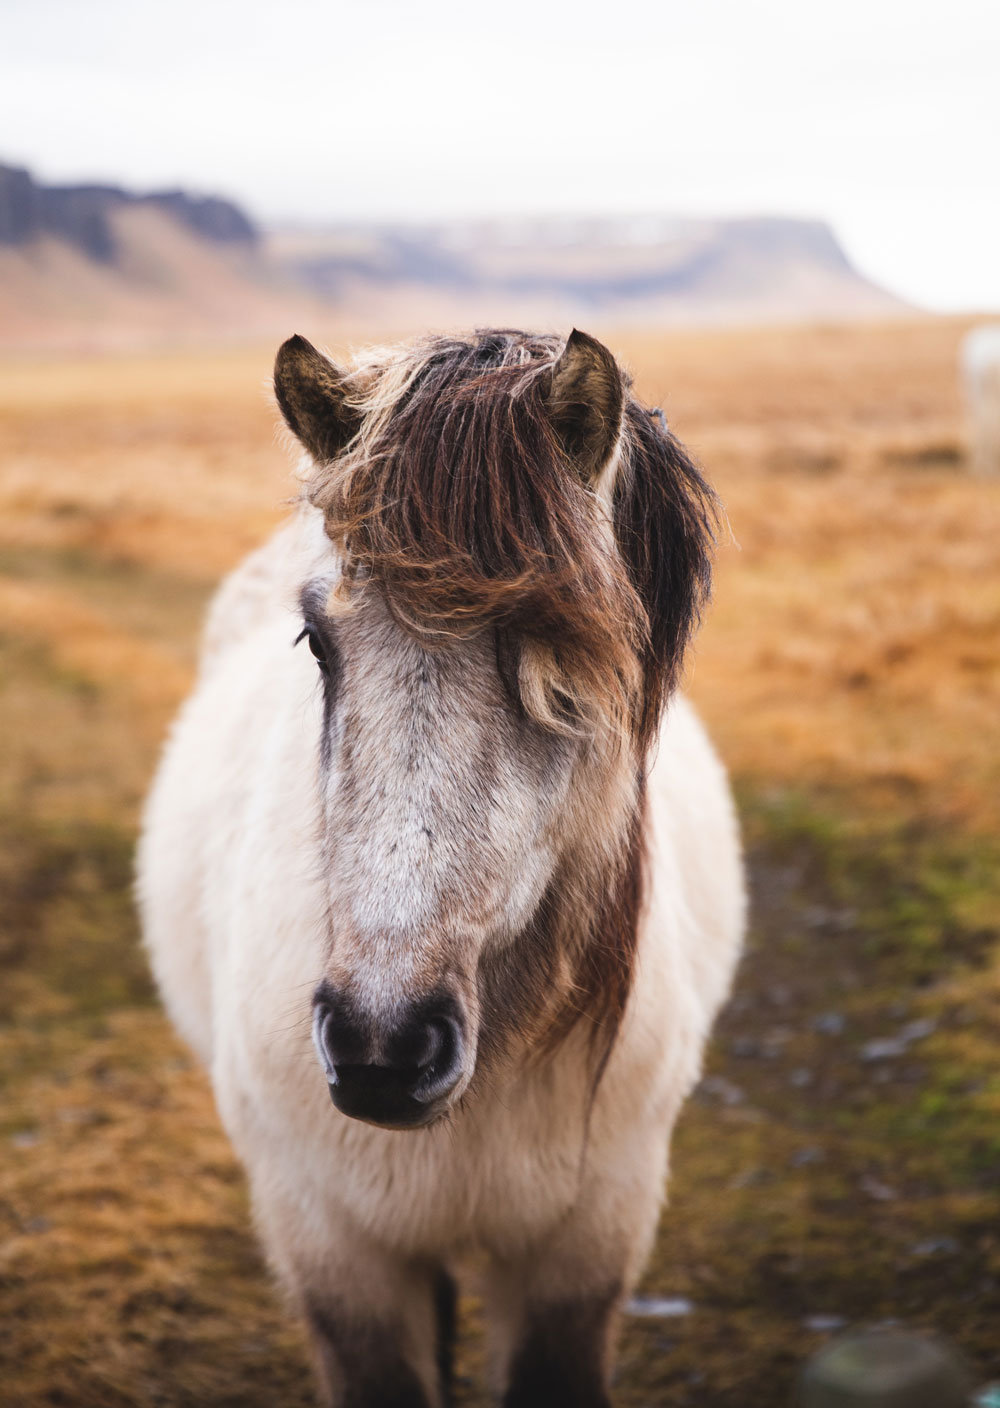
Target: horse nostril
pixel 321 1033
pixel 438 1068
pixel 435 1037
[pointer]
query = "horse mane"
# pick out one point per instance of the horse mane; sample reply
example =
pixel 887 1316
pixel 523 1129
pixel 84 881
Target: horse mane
pixel 454 493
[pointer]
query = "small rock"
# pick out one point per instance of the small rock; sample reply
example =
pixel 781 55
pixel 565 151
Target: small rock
pixel 77 1116
pixel 662 1307
pixel 825 1324
pixel 884 1365
pixel 722 1090
pixel 935 1246
pixel 744 1046
pixel 918 1030
pixel 37 1224
pixel 750 1178
pixel 26 1139
pixel 829 1024
pixel 801 1077
pixel 881 1192
pixel 888 1048
pixel 836 921
pixel 811 1154
pixel 892 1047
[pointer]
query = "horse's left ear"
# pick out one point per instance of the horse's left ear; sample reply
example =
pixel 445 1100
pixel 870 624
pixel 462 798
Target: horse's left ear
pixel 585 397
pixel 311 393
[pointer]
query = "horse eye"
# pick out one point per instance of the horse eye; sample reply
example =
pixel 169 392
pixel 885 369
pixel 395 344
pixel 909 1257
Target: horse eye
pixel 316 646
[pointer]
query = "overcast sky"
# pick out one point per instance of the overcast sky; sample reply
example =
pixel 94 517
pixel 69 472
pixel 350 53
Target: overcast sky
pixel 882 116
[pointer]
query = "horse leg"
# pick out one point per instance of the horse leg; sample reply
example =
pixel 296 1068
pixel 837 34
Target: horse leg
pixel 369 1360
pixel 376 1321
pixel 446 1316
pixel 552 1312
pixel 562 1352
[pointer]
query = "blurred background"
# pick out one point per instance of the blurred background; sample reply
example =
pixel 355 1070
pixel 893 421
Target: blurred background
pixel 784 218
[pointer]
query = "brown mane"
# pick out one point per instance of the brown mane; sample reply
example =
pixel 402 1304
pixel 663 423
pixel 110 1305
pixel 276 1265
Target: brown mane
pixel 456 495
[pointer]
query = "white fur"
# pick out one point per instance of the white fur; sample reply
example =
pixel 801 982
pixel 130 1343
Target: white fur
pixel 236 911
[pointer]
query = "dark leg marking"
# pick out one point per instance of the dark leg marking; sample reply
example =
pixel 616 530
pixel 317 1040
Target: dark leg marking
pixel 446 1310
pixel 362 1363
pixel 563 1356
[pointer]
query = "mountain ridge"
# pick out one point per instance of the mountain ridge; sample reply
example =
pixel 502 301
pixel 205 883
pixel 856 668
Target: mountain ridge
pixel 96 264
pixel 639 267
pixel 81 214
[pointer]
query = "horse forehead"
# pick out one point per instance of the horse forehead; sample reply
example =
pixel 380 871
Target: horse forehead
pixel 426 738
pixel 417 712
pixel 387 670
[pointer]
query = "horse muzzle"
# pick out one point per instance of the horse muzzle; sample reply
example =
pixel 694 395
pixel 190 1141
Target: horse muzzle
pixel 399 1075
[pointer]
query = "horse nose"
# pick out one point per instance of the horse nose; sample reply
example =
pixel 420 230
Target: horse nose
pixel 398 1075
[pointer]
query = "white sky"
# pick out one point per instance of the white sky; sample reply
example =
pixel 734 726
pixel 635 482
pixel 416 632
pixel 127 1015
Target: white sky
pixel 882 116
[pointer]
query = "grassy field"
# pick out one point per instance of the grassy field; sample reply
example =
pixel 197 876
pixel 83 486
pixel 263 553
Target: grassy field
pixel 840 1163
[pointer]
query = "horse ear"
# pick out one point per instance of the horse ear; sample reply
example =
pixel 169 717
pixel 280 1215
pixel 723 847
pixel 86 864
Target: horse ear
pixel 311 394
pixel 586 394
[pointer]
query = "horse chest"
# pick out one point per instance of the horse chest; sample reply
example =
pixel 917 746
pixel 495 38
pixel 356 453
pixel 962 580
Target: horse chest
pixel 498 1175
pixel 452 1194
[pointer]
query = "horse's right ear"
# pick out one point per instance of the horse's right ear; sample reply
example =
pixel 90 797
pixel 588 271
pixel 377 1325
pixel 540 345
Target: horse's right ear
pixel 585 396
pixel 311 394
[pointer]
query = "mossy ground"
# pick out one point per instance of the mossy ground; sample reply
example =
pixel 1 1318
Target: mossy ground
pixel 815 1178
pixel 818 1172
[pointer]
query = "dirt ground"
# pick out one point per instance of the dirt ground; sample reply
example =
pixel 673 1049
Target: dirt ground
pixel 840 1163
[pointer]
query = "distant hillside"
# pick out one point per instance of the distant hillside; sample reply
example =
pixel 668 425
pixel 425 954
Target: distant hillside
pixel 84 215
pixel 642 268
pixel 97 265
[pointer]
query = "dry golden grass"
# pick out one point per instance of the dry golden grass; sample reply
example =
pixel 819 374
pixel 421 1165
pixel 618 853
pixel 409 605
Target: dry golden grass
pixel 850 670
